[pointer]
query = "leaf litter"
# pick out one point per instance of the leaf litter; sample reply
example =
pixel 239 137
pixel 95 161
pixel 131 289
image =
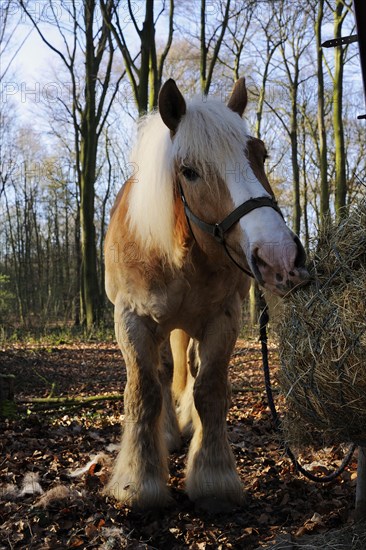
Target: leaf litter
pixel 64 456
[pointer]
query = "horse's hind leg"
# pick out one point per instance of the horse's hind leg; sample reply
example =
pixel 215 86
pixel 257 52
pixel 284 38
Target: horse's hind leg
pixel 140 472
pixel 179 341
pixel 211 474
pixel 186 365
pixel 170 422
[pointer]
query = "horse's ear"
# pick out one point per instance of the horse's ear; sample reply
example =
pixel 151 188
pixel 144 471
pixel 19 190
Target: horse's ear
pixel 171 105
pixel 239 97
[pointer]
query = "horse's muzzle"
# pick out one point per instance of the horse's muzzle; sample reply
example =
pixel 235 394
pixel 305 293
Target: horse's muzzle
pixel 280 268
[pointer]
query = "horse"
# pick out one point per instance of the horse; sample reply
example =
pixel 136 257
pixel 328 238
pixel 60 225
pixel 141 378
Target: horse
pixel 187 231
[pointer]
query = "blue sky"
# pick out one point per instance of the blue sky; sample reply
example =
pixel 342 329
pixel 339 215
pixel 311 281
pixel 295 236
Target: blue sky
pixel 32 71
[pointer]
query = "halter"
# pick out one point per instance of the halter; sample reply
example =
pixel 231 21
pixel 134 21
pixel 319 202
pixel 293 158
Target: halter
pixel 218 230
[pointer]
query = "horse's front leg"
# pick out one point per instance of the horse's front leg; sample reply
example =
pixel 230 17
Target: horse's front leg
pixel 140 473
pixel 212 479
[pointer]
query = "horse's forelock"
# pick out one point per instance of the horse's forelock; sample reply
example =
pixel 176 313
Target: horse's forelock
pixel 211 136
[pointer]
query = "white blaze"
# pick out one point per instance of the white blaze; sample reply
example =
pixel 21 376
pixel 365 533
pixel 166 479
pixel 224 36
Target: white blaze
pixel 264 231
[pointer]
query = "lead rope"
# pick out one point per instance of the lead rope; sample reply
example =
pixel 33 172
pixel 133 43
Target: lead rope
pixel 263 322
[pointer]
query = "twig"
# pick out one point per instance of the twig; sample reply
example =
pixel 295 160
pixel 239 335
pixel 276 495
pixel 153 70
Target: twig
pixel 71 400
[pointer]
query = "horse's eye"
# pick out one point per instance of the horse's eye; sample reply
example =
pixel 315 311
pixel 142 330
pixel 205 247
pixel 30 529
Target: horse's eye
pixel 189 173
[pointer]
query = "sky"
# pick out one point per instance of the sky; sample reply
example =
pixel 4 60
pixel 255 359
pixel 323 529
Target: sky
pixel 25 80
pixel 31 75
pixel 32 72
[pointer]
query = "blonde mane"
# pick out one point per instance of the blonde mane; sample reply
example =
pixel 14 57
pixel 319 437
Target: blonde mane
pixel 210 137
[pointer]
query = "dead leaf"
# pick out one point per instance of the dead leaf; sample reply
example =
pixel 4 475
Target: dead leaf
pixel 91 531
pixel 76 542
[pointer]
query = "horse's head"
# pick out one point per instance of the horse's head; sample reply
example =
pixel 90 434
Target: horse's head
pixel 257 154
pixel 221 179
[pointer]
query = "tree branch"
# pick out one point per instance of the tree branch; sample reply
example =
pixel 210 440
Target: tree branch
pixel 132 15
pixel 44 39
pixel 167 45
pixel 119 37
pixel 217 48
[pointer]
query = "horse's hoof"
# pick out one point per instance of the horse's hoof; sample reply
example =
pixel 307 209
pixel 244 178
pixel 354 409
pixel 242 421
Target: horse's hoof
pixel 151 494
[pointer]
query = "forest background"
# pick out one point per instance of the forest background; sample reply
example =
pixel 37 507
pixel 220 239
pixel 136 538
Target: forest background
pixel 66 132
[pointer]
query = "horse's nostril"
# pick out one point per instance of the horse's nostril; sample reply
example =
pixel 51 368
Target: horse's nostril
pixel 258 259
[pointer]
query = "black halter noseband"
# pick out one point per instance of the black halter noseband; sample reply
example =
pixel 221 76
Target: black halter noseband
pixel 218 230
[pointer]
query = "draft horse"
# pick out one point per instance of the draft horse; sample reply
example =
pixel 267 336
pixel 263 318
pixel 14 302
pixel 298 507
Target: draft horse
pixel 185 233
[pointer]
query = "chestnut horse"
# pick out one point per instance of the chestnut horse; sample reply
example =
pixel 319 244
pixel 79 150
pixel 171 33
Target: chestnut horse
pixel 185 233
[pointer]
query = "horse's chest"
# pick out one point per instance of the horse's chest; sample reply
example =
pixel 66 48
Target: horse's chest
pixel 188 302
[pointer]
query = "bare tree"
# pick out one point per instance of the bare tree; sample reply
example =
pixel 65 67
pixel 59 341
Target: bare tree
pixel 339 13
pixel 237 35
pixel 292 49
pixel 145 70
pixel 210 46
pixel 90 39
pixel 322 134
pixel 9 49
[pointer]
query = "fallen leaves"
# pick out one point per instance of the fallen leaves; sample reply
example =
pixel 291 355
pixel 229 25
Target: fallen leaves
pixel 67 455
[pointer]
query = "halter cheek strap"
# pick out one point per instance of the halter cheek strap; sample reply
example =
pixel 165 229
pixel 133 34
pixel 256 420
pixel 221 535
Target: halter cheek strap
pixel 218 230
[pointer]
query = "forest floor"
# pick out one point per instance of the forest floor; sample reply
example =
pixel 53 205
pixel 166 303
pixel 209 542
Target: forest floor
pixel 48 502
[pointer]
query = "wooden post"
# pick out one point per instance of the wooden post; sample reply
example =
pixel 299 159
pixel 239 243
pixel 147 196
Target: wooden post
pixel 7 404
pixel 361 484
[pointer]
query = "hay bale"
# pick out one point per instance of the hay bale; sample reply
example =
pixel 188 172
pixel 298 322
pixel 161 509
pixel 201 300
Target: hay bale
pixel 322 338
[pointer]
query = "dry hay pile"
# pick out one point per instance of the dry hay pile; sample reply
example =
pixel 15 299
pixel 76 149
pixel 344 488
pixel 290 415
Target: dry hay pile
pixel 322 338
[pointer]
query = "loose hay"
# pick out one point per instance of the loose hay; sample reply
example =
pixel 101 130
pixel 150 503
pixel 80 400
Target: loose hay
pixel 322 338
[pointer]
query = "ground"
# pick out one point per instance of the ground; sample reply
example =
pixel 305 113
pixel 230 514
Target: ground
pixel 43 506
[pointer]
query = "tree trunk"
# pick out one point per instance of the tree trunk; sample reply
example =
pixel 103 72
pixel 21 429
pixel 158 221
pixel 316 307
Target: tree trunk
pixel 340 156
pixel 78 292
pixel 147 37
pixel 88 159
pixel 103 220
pixel 203 50
pixel 89 275
pixel 254 303
pixel 305 182
pixel 207 68
pixel 88 112
pixel 324 187
pixel 145 79
pixel 296 213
